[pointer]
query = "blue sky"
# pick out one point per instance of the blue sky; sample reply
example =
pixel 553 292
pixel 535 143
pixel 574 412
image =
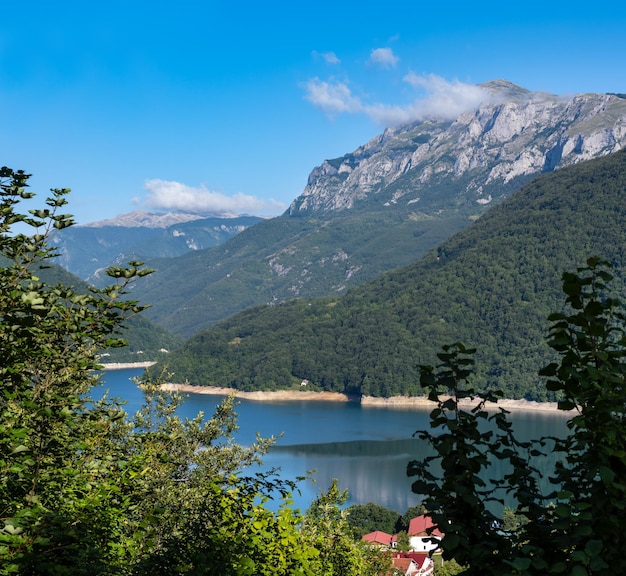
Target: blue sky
pixel 229 105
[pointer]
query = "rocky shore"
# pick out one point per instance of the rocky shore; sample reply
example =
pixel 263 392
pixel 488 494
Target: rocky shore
pixel 124 365
pixel 423 402
pixel 261 396
pixel 368 401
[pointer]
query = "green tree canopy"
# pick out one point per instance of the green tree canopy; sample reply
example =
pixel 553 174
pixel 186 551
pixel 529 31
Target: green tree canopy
pixel 366 518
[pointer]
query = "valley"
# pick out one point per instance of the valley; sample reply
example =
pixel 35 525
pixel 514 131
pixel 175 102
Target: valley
pixel 431 233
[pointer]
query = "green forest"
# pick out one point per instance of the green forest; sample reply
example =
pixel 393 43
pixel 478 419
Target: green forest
pixel 491 286
pixel 193 292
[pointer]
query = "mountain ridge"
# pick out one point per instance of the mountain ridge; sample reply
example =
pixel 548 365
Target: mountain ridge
pixel 146 219
pixel 528 134
pixel 89 250
pixel 386 204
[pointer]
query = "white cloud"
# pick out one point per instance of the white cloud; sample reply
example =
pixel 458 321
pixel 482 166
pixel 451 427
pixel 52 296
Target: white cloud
pixel 332 97
pixel 443 99
pixel 328 57
pixel 170 195
pixel 384 57
pixel 439 99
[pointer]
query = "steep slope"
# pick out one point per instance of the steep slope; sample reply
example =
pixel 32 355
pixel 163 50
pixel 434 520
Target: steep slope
pixel 491 286
pixel 281 259
pixel 516 134
pixel 88 250
pixel 386 204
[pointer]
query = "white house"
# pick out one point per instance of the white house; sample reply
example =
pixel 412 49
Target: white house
pixel 424 536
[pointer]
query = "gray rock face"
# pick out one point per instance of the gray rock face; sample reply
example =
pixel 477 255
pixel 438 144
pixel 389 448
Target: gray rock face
pixel 517 134
pixel 142 219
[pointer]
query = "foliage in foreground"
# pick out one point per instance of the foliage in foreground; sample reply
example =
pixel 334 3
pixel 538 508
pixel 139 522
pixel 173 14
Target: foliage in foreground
pixel 578 528
pixel 86 489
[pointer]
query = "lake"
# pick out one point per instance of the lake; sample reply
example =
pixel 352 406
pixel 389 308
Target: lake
pixel 366 448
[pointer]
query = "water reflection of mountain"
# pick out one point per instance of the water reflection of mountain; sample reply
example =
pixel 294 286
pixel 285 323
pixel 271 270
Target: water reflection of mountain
pixel 358 448
pixel 371 471
pixel 375 471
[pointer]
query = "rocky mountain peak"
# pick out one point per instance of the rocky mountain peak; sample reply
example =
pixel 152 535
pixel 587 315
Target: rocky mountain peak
pixel 516 135
pixel 505 89
pixel 142 219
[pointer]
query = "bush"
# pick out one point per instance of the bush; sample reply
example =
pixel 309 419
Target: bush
pixel 579 527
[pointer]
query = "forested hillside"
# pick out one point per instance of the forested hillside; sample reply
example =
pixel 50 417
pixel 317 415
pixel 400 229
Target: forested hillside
pixel 490 286
pixel 386 204
pixel 274 260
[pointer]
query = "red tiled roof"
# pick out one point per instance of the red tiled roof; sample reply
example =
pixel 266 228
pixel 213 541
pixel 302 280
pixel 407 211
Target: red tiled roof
pixel 419 557
pixel 379 537
pixel 403 564
pixel 419 526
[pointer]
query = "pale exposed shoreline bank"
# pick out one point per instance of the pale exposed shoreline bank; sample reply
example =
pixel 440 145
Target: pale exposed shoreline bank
pixel 422 401
pixel 124 365
pixel 368 401
pixel 261 396
pixel 298 395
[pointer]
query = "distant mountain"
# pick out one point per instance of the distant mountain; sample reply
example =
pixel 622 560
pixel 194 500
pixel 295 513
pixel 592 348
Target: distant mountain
pixel 89 249
pixel 491 286
pixel 386 204
pixel 142 219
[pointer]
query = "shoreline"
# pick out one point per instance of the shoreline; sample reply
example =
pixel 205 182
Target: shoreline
pixel 366 401
pixel 423 402
pixel 124 365
pixel 260 395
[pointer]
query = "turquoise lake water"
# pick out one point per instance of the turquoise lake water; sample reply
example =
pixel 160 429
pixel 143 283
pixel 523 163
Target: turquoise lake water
pixel 367 449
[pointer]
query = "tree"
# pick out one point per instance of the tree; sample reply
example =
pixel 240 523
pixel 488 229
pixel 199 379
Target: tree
pixel 84 487
pixel 366 518
pixel 55 490
pixel 403 542
pixel 195 511
pixel 326 527
pixel 461 450
pixel 579 528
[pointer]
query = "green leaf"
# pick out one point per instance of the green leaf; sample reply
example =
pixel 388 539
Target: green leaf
pixel 579 570
pixel 521 564
pixel 593 548
pixel 9 528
